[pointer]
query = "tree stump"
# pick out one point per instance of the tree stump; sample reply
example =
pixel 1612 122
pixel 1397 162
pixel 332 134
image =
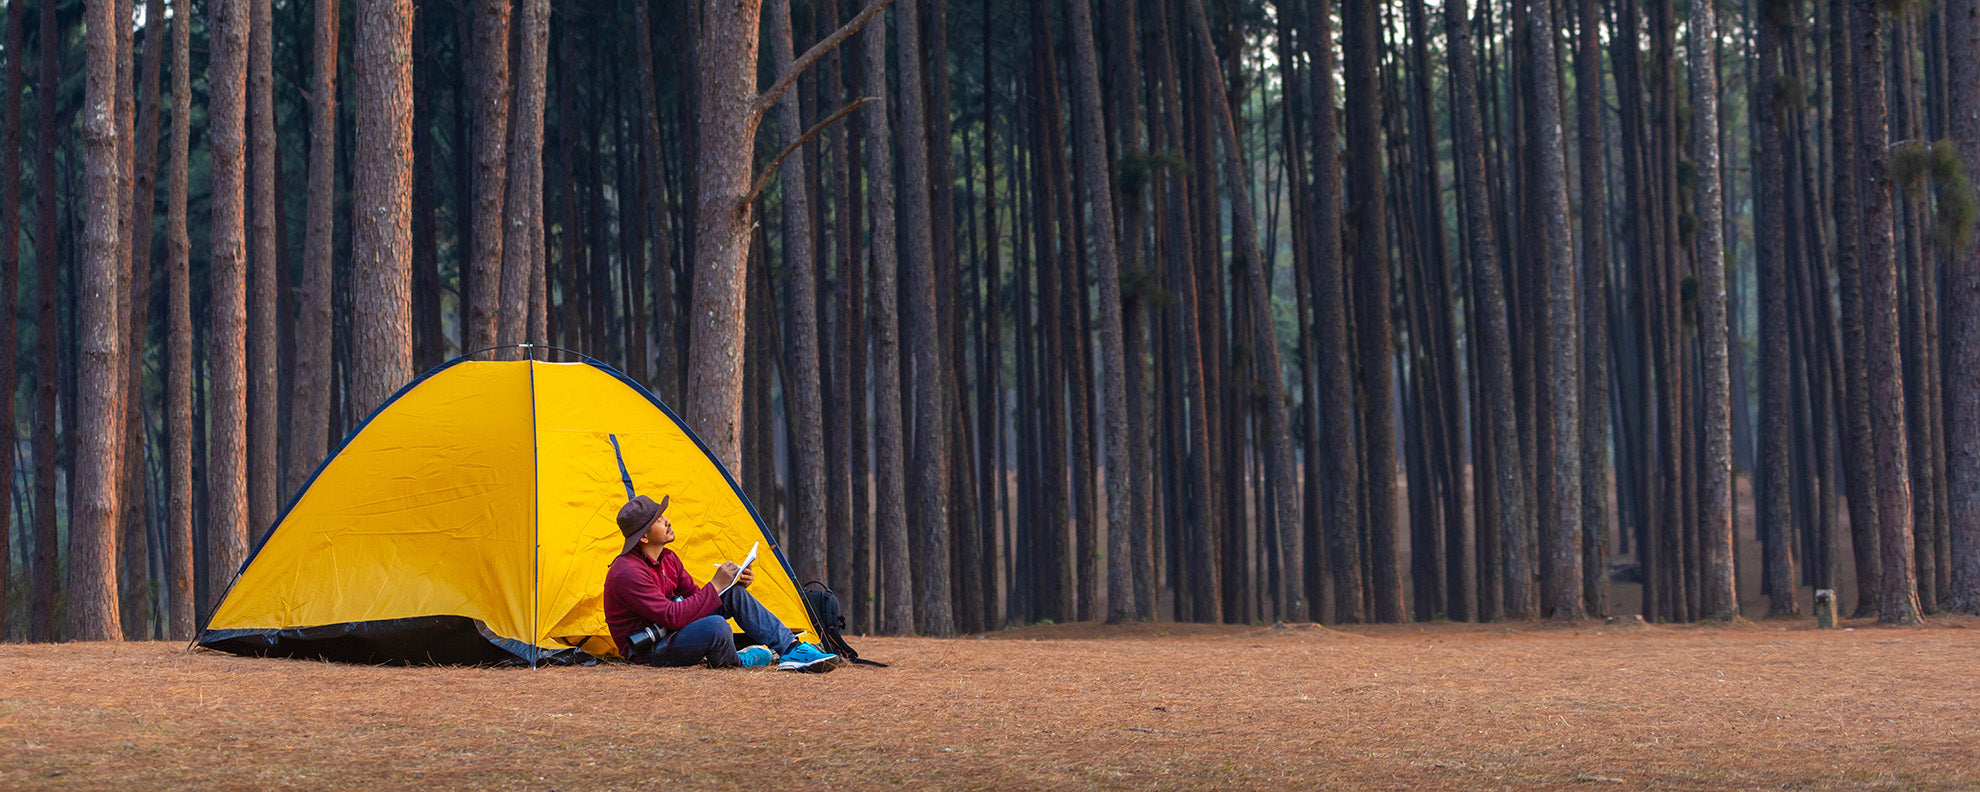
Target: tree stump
pixel 1825 609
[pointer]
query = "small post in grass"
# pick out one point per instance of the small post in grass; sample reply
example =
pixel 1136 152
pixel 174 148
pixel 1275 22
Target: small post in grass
pixel 1825 609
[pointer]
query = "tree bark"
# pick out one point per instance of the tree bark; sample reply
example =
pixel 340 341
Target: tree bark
pixel 92 563
pixel 1562 499
pixel 498 296
pixel 1594 312
pixel 1899 603
pixel 726 66
pixel 665 374
pixel 226 471
pixel 1373 330
pixel 896 615
pixel 381 240
pixel 263 355
pixel 1771 482
pixel 928 487
pixel 1962 396
pixel 1720 600
pixel 1090 150
pixel 523 252
pixel 134 585
pixel 10 266
pixel 309 434
pixel 808 522
pixel 179 344
pixel 1859 466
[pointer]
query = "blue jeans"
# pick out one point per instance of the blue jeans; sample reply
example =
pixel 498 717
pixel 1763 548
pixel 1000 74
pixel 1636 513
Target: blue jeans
pixel 709 639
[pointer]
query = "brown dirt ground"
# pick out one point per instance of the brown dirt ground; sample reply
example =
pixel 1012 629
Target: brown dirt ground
pixel 1150 706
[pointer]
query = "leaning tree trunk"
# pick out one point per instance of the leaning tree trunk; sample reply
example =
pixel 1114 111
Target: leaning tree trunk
pixel 1244 236
pixel 1090 150
pixel 92 563
pixel 1962 384
pixel 497 311
pixel 179 383
pixel 226 366
pixel 309 418
pixel 1880 289
pixel 1719 600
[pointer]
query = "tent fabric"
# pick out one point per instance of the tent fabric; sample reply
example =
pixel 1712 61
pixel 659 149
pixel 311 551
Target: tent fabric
pixel 471 520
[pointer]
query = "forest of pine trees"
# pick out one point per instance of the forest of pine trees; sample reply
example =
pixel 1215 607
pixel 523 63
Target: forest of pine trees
pixel 1004 311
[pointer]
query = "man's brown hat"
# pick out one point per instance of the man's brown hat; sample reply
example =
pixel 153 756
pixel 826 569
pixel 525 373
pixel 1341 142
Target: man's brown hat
pixel 636 515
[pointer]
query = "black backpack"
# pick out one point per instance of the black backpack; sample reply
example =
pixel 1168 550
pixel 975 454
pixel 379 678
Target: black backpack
pixel 831 621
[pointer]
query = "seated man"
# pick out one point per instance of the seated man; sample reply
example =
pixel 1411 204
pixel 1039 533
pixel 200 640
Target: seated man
pixel 647 586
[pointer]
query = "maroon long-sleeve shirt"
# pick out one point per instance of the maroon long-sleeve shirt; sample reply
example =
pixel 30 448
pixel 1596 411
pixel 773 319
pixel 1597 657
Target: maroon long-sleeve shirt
pixel 640 592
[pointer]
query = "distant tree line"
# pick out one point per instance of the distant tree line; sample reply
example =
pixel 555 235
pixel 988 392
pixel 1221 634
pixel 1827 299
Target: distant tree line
pixel 1014 310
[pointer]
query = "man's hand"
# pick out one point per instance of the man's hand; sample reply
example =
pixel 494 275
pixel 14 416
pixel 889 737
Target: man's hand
pixel 747 577
pixel 725 576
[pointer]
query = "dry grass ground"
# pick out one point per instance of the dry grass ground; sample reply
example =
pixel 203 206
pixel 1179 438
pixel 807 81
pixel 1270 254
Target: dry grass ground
pixel 1159 706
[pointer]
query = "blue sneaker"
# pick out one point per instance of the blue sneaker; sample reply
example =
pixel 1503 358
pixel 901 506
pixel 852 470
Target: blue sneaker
pixel 809 659
pixel 756 657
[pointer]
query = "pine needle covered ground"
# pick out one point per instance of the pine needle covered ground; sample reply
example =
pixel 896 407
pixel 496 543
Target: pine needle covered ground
pixel 1153 706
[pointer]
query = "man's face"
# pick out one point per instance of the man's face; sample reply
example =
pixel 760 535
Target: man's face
pixel 659 532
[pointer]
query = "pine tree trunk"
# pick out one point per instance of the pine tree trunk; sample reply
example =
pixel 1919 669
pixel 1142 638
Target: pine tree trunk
pixel 226 367
pixel 666 371
pixel 1770 482
pixel 91 594
pixel 726 67
pixel 1594 312
pixel 896 615
pixel 10 267
pixel 263 356
pixel 928 486
pixel 1899 603
pixel 1277 431
pixel 1962 384
pixel 1562 566
pixel 497 308
pixel 309 433
pixel 1859 465
pixel 1720 600
pixel 1373 329
pixel 808 521
pixel 1090 151
pixel 134 585
pixel 381 238
pixel 523 252
pixel 179 345
pixel 1340 458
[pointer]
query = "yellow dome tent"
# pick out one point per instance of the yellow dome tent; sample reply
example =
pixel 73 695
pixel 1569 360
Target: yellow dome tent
pixel 471 519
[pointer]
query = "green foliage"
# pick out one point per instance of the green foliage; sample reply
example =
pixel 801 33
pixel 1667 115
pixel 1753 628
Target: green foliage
pixel 1911 161
pixel 1956 210
pixel 1790 95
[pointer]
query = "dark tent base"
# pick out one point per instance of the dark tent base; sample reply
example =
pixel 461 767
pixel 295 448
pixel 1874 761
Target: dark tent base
pixel 423 640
